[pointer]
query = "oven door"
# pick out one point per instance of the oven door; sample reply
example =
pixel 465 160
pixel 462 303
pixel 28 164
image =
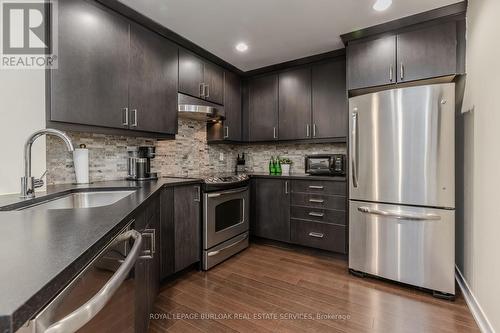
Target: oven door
pixel 226 215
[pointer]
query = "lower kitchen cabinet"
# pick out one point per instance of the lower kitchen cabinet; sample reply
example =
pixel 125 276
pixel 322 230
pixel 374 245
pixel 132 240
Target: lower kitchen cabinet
pixel 180 230
pixel 147 269
pixel 271 211
pixel 319 235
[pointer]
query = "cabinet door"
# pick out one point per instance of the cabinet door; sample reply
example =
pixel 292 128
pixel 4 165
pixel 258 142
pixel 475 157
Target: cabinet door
pixel 371 63
pixel 214 83
pixel 232 107
pixel 272 209
pixel 153 82
pixel 263 108
pixel 190 74
pixel 167 237
pixel 427 53
pixel 187 226
pixel 90 86
pixel 295 104
pixel 329 100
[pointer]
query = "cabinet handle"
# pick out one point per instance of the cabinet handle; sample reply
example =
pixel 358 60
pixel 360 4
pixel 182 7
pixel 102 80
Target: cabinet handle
pixel 286 187
pixel 316 214
pixel 316 200
pixel 134 118
pixel 316 187
pixel 198 194
pixel 314 130
pixel 125 116
pixel 391 73
pixel 207 92
pixel 226 132
pixel 316 234
pixel 149 233
pixel 275 135
pixel 308 131
pixel 202 89
pixel 402 72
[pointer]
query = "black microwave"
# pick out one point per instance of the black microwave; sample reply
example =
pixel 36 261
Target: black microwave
pixel 326 164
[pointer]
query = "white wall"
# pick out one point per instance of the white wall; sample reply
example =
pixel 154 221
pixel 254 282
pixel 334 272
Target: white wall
pixel 22 111
pixel 478 255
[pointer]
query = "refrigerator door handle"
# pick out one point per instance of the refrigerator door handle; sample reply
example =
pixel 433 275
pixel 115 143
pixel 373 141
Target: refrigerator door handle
pixel 400 215
pixel 354 141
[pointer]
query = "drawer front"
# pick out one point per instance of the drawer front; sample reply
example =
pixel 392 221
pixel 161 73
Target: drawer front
pixel 319 201
pixel 319 187
pixel 319 235
pixel 319 214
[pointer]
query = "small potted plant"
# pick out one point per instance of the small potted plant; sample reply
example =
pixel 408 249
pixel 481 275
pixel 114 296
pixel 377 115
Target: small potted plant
pixel 285 165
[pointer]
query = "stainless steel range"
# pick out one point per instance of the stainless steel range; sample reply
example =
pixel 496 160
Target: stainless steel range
pixel 226 207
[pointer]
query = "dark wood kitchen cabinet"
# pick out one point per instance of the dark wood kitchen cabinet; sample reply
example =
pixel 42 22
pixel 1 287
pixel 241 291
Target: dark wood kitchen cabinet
pixel 153 82
pixel 262 99
pixel 329 99
pixel 371 63
pixel 271 209
pixel 90 85
pixel 187 225
pixel 200 78
pixel 167 233
pixel 295 104
pixel 426 53
pixel 112 73
pixel 232 107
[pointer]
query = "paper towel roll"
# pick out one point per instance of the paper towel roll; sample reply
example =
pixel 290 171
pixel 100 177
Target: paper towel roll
pixel 81 161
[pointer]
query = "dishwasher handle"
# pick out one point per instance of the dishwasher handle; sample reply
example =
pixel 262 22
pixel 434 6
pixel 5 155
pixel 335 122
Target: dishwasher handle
pixel 76 319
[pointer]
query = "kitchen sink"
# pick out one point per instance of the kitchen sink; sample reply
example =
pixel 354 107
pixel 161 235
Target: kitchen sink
pixel 82 200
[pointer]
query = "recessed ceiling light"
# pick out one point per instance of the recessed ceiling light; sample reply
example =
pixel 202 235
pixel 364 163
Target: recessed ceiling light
pixel 381 5
pixel 241 47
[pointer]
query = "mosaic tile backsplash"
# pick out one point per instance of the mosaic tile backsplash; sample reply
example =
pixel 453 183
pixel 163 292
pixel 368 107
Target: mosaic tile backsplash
pixel 187 155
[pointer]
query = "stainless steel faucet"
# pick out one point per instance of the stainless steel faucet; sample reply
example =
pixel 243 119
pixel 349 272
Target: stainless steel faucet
pixel 28 183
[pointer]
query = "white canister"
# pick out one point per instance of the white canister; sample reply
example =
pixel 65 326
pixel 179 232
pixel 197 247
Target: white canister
pixel 81 162
pixel 285 169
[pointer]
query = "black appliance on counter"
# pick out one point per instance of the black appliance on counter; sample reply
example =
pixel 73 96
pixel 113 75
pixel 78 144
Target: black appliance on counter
pixel 326 164
pixel 139 163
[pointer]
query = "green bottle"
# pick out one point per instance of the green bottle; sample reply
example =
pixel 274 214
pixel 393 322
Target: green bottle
pixel 278 166
pixel 272 168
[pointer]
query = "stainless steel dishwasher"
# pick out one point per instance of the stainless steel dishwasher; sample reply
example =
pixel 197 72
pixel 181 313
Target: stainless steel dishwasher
pixel 101 298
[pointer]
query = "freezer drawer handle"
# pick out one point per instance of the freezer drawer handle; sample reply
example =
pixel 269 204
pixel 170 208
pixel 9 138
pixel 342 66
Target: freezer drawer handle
pixel 214 253
pixel 400 215
pixel 76 319
pixel 316 234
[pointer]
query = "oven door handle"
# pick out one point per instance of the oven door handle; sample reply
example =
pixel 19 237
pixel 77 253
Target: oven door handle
pixel 218 194
pixel 76 319
pixel 214 253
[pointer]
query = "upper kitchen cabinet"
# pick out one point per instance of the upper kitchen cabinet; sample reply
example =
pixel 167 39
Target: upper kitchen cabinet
pixel 262 102
pixel 90 86
pixel 112 73
pixel 420 52
pixel 232 107
pixel 200 78
pixel 426 53
pixel 371 63
pixel 329 99
pixel 295 104
pixel 153 83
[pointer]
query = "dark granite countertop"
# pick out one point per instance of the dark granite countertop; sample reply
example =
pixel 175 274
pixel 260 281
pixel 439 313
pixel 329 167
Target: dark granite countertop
pixel 41 251
pixel 304 176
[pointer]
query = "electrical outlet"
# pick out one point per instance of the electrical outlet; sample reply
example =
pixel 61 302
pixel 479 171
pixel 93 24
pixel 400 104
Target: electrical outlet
pixel 221 157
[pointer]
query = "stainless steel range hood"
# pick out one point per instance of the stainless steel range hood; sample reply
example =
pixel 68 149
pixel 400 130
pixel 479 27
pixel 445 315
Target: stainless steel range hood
pixel 198 109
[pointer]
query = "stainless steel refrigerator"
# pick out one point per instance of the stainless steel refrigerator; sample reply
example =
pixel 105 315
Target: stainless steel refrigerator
pixel 402 186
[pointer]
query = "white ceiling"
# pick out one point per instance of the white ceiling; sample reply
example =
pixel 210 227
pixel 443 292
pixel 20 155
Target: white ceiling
pixel 275 30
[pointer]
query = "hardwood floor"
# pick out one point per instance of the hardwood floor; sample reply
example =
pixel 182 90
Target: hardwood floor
pixel 271 289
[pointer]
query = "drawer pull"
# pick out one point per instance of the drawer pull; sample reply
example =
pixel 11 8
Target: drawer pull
pixel 316 200
pixel 316 187
pixel 316 214
pixel 316 234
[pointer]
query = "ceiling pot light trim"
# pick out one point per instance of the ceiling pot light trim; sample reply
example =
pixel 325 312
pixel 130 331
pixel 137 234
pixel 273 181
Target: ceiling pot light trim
pixel 241 47
pixel 381 5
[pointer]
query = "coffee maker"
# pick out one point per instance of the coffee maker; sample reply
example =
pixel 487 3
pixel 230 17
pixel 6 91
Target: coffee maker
pixel 139 163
